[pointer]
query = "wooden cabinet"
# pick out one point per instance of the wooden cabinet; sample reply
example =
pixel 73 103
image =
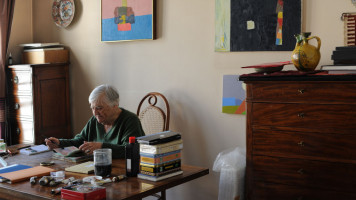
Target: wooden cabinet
pixel 38 102
pixel 301 139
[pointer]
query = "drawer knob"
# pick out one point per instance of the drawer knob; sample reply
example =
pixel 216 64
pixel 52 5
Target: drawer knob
pixel 16 79
pixel 301 91
pixel 17 106
pixel 301 115
pixel 301 143
pixel 18 131
pixel 301 171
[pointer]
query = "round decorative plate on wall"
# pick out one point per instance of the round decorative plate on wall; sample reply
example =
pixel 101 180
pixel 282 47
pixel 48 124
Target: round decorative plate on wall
pixel 63 12
pixel 354 2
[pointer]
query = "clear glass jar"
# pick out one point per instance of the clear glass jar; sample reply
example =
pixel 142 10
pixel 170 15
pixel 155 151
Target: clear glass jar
pixel 102 162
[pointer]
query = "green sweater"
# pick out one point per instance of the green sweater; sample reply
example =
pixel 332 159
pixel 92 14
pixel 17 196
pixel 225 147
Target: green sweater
pixel 125 126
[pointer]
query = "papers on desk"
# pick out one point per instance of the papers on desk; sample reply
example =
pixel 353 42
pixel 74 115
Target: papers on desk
pixel 34 149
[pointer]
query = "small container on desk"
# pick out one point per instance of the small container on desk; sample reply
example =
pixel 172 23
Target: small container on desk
pixel 2 146
pixel 132 156
pixel 83 192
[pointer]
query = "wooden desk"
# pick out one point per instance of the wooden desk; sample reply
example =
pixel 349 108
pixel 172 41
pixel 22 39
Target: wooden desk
pixel 131 188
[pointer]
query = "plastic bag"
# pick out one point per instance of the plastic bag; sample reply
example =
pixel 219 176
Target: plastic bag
pixel 231 164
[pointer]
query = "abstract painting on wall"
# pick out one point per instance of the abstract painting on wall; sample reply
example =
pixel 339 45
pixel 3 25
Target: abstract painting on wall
pixel 258 25
pixel 125 20
pixel 234 95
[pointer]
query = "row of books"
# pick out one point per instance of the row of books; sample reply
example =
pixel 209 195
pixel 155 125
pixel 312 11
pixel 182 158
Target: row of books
pixel 162 159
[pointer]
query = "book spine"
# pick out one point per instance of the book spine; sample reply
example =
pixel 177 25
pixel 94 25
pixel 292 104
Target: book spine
pixel 158 155
pixel 163 144
pixel 155 178
pixel 160 173
pixel 159 150
pixel 160 168
pixel 162 159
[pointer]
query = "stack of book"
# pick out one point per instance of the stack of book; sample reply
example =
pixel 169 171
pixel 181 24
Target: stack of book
pixel 42 47
pixel 344 61
pixel 40 53
pixel 160 155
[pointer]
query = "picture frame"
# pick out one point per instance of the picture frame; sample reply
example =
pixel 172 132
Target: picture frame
pixel 259 25
pixel 127 20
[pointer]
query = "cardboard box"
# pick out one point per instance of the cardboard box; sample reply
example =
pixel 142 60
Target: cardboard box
pixel 46 56
pixel 83 192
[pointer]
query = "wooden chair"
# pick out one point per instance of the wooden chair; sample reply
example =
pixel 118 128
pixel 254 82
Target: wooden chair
pixel 154 119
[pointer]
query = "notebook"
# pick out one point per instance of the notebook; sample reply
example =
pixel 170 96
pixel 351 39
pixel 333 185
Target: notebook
pixel 11 168
pixel 83 168
pixel 35 149
pixel 26 174
pixel 71 151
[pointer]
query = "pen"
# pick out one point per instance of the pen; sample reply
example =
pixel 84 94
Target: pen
pixel 24 147
pixel 50 141
pixel 53 143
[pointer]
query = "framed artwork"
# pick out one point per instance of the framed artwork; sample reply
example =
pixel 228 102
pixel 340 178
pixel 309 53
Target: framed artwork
pixel 258 25
pixel 126 20
pixel 234 95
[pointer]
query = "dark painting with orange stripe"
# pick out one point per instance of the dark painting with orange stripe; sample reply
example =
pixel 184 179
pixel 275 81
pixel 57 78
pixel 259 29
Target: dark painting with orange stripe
pixel 258 25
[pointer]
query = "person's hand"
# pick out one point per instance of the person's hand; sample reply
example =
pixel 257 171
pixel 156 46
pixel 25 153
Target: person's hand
pixel 89 147
pixel 52 142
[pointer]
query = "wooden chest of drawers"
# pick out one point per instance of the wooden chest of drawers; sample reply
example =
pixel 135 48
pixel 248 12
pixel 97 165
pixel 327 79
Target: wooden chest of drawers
pixel 38 102
pixel 301 140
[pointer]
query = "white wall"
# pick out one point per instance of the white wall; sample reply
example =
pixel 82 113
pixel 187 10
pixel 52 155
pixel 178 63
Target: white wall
pixel 21 30
pixel 181 64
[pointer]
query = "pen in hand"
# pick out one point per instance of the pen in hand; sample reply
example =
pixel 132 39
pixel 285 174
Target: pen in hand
pixel 52 144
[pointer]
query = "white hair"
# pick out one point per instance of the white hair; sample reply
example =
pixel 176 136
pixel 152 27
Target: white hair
pixel 111 96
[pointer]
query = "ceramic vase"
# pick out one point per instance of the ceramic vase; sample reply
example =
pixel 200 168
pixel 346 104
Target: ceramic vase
pixel 305 56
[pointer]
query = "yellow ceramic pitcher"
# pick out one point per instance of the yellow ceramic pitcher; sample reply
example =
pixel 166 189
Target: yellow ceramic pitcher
pixel 306 57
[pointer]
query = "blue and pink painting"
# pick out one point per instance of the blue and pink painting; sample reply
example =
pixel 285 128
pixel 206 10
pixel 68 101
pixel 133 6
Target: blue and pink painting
pixel 234 95
pixel 123 20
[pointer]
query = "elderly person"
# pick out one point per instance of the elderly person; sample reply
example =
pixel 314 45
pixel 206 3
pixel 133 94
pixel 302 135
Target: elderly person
pixel 110 127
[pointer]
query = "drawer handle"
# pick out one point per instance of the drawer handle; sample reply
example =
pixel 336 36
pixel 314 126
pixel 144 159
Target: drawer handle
pixel 17 106
pixel 301 171
pixel 16 79
pixel 301 143
pixel 18 131
pixel 301 115
pixel 301 91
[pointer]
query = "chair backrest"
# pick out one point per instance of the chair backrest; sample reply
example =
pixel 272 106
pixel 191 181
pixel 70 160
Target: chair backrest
pixel 153 118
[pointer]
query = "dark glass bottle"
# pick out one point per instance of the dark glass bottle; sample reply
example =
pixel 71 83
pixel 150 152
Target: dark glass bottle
pixel 132 156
